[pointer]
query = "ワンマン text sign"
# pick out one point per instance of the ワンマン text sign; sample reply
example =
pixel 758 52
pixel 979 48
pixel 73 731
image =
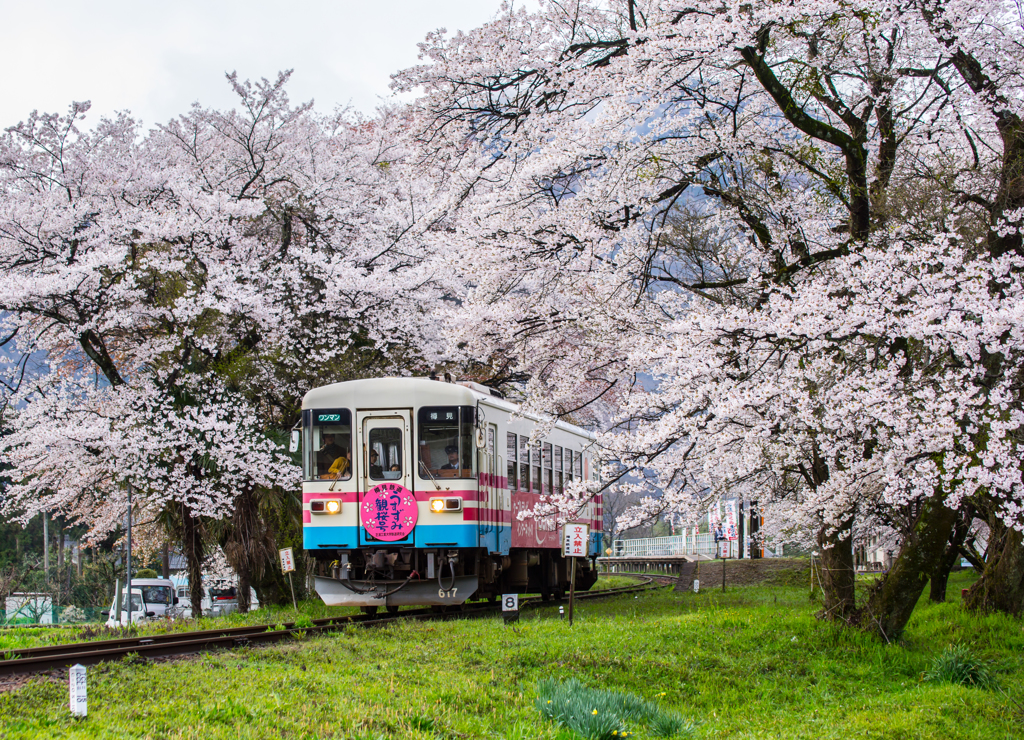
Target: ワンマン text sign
pixel 575 540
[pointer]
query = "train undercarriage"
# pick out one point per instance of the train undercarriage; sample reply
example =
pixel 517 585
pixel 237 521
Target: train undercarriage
pixel 392 577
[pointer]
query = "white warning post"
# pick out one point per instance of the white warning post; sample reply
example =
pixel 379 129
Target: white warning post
pixel 79 706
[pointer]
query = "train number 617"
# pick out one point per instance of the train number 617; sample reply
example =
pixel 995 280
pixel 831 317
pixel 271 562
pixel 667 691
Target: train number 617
pixel 449 594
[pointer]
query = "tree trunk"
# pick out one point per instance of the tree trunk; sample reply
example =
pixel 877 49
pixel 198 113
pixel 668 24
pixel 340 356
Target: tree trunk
pixel 1001 586
pixel 244 600
pixel 248 545
pixel 837 573
pixel 940 575
pixel 194 551
pixel 892 601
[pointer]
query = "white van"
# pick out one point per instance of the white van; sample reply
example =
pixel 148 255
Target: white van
pixel 157 593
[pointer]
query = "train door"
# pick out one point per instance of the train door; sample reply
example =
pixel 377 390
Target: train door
pixel 385 459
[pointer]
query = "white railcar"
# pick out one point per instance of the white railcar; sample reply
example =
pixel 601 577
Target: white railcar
pixel 412 490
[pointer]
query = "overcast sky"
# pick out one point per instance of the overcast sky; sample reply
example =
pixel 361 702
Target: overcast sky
pixel 156 59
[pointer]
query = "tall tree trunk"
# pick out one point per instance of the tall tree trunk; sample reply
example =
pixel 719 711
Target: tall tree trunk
pixel 248 544
pixel 940 574
pixel 837 572
pixel 893 599
pixel 1001 586
pixel 192 547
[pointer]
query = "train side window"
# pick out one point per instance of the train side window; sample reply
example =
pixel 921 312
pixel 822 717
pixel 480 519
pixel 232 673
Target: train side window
pixel 446 441
pixel 535 464
pixel 524 463
pixel 546 456
pixel 329 452
pixel 511 464
pixel 559 480
pixel 577 464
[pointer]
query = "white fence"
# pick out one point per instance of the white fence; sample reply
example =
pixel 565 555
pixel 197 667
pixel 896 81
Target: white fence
pixel 688 543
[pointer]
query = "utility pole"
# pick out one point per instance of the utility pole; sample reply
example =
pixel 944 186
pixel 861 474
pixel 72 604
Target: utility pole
pixel 128 559
pixel 46 546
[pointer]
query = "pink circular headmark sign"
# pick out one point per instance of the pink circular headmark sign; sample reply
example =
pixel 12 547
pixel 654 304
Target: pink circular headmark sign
pixel 389 512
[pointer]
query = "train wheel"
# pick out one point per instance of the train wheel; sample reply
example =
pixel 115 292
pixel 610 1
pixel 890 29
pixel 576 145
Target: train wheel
pixel 369 610
pixel 392 610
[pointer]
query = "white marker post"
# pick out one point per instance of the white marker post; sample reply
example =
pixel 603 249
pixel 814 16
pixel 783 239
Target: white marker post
pixel 287 566
pixel 510 608
pixel 575 544
pixel 76 679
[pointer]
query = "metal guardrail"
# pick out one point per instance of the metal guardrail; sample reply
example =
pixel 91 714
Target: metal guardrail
pixel 689 543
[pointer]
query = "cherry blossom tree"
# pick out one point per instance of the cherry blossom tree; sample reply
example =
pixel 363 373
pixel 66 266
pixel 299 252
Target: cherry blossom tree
pixel 787 237
pixel 185 286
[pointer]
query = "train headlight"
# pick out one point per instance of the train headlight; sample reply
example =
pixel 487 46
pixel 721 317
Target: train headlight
pixel 330 506
pixel 437 504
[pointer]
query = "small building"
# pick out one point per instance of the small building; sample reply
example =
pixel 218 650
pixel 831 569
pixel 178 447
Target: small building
pixel 28 608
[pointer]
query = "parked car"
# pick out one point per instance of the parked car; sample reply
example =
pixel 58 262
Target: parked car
pixel 133 610
pixel 219 598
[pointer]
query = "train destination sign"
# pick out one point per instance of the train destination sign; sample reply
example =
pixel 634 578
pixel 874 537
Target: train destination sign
pixel 575 540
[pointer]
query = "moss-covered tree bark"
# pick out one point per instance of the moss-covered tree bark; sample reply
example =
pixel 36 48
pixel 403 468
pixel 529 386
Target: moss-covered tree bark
pixel 1001 586
pixel 939 580
pixel 893 599
pixel 837 571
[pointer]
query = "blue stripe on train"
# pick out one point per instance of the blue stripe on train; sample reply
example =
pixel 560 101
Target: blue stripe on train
pixel 424 535
pixel 315 538
pixel 447 535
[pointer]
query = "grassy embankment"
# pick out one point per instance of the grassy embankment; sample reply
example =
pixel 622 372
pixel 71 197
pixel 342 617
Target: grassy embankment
pixel 750 663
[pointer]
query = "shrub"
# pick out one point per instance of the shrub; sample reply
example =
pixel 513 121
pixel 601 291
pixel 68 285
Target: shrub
pixel 599 714
pixel 958 665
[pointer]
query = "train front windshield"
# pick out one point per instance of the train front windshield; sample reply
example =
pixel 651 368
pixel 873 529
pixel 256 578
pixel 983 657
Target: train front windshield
pixel 446 441
pixel 329 445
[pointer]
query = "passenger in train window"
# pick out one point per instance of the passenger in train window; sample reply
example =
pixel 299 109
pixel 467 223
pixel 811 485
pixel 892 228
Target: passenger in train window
pixel 375 469
pixel 341 466
pixel 452 451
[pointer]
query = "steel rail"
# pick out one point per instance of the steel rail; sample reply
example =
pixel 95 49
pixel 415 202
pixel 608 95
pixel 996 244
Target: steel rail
pixel 49 657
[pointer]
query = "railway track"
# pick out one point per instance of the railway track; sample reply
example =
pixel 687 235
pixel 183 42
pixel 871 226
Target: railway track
pixel 40 659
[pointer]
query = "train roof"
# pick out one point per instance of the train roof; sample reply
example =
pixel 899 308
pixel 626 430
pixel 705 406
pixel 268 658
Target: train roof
pixel 409 392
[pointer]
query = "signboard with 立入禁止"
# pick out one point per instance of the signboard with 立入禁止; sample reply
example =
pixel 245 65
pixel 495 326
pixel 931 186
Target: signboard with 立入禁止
pixel 287 560
pixel 576 540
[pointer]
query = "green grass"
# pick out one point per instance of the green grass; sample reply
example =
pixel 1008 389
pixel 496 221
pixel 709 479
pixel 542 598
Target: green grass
pixel 753 662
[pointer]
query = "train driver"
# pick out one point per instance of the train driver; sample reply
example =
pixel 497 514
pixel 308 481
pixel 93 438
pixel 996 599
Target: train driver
pixel 453 458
